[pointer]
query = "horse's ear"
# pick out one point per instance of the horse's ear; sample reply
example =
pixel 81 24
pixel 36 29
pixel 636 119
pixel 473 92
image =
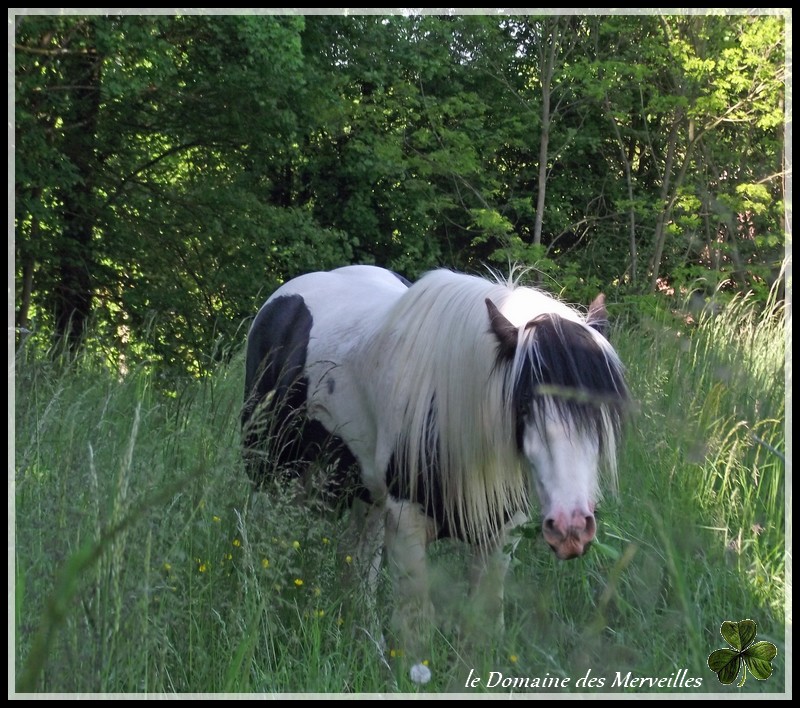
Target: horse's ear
pixel 505 332
pixel 598 315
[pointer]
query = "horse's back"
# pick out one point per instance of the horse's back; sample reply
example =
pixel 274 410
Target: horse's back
pixel 342 288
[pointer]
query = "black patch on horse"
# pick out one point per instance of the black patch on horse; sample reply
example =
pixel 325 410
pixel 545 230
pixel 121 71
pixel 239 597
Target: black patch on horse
pixel 278 438
pixel 428 489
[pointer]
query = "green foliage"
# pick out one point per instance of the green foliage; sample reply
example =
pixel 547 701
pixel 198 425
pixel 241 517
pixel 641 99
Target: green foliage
pixel 570 281
pixel 172 170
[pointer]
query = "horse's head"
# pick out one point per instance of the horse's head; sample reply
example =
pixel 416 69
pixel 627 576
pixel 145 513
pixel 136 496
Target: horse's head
pixel 567 393
pixel 565 465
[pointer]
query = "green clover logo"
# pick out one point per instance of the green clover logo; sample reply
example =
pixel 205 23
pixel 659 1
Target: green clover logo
pixel 726 663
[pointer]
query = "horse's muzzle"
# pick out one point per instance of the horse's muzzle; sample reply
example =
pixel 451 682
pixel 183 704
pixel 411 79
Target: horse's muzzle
pixel 569 537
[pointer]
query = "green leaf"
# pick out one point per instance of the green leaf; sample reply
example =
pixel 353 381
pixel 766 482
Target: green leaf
pixel 726 664
pixel 747 632
pixel 605 550
pixel 720 658
pixel 765 651
pixel 760 668
pixel 738 634
pixel 758 658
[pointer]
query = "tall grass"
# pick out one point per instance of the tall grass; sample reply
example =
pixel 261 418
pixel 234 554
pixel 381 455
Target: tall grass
pixel 144 564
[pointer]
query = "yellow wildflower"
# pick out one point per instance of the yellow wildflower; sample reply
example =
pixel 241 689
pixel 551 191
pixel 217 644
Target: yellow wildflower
pixel 264 563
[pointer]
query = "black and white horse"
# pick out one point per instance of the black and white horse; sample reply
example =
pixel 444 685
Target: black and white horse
pixel 456 396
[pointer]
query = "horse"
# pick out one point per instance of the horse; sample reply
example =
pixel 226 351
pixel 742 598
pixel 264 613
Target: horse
pixel 453 399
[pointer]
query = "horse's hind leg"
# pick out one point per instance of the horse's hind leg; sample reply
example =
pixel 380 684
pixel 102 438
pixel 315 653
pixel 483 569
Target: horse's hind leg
pixel 408 531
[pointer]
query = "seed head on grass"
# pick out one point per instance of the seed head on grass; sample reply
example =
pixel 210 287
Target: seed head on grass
pixel 420 673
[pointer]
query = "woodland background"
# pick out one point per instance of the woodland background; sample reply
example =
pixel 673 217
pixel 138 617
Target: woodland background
pixel 171 171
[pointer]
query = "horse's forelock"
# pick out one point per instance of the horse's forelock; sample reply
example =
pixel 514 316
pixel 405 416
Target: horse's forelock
pixel 565 367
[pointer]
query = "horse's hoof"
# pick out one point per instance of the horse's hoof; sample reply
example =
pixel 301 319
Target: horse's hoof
pixel 420 673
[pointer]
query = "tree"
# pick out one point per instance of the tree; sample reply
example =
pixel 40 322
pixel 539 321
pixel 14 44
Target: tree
pixel 128 126
pixel 172 171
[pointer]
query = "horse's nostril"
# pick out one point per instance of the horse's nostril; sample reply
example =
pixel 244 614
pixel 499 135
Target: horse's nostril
pixel 550 525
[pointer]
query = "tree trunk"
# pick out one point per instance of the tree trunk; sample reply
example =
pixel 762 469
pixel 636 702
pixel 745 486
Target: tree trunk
pixel 548 64
pixel 663 217
pixel 541 190
pixel 626 163
pixel 671 188
pixel 25 296
pixel 26 251
pixel 74 258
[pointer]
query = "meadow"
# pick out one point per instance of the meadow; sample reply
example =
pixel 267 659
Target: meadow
pixel 144 564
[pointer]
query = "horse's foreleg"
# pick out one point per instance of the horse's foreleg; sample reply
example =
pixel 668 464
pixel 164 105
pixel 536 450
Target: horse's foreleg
pixel 368 555
pixel 487 574
pixel 408 531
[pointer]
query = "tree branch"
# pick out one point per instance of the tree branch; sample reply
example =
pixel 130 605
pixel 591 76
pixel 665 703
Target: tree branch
pixel 59 52
pixel 146 166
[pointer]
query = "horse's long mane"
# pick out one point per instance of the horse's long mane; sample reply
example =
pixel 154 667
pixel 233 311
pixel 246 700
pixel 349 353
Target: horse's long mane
pixel 447 402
